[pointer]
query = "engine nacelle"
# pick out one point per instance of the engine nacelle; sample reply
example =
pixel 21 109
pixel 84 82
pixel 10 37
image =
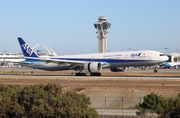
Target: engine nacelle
pixel 118 69
pixel 2 63
pixel 93 67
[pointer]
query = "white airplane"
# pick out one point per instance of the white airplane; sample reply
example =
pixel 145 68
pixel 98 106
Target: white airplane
pixel 2 63
pixel 6 58
pixel 170 64
pixel 11 57
pixel 92 63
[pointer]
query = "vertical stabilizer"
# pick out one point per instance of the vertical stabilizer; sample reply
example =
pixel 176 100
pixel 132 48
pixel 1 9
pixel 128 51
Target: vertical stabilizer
pixel 26 49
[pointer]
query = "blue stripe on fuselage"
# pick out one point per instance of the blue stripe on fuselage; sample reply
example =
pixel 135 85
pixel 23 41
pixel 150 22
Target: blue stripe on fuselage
pixel 108 61
pixel 102 60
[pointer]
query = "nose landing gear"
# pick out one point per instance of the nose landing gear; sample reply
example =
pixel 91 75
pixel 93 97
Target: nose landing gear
pixel 155 68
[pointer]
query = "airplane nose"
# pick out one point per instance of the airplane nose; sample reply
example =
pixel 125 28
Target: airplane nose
pixel 166 58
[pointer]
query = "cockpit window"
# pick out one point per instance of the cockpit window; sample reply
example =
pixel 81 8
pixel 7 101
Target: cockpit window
pixel 162 55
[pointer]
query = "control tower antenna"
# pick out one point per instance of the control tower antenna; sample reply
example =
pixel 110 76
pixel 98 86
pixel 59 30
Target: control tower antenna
pixel 102 26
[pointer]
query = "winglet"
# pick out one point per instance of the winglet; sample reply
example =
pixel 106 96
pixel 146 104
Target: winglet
pixel 26 49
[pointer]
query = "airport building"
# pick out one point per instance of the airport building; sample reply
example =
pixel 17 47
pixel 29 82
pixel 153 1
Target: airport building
pixel 102 27
pixel 48 52
pixel 174 57
pixel 11 57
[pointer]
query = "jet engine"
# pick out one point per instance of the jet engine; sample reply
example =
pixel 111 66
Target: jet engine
pixel 118 69
pixel 3 63
pixel 92 67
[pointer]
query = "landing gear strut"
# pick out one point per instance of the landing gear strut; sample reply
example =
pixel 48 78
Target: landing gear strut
pixel 155 69
pixel 79 72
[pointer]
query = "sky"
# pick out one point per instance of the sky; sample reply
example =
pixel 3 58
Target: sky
pixel 68 26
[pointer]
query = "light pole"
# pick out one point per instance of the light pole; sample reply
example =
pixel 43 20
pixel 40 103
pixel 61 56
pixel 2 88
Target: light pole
pixel 166 50
pixel 178 50
pixel 4 51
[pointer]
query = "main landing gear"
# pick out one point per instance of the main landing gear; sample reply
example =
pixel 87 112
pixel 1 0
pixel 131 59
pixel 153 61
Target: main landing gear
pixel 95 74
pixel 84 74
pixel 80 74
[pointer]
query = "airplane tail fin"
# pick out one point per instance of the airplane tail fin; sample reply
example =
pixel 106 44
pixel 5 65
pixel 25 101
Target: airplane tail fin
pixel 26 49
pixel 2 63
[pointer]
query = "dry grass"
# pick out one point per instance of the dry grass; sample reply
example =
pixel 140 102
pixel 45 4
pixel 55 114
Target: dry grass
pixel 170 87
pixel 106 73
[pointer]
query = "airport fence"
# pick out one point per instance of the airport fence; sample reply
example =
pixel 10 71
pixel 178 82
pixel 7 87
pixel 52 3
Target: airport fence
pixel 103 102
pixel 126 113
pixel 119 107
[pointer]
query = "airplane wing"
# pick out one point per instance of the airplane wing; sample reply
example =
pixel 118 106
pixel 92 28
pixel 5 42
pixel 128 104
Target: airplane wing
pixel 23 63
pixel 57 60
pixel 62 61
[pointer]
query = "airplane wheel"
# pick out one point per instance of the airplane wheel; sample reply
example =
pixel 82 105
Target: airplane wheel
pixel 95 74
pixel 80 74
pixel 155 71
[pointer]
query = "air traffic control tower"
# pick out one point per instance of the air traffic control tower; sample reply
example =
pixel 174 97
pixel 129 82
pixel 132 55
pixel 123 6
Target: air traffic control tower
pixel 102 26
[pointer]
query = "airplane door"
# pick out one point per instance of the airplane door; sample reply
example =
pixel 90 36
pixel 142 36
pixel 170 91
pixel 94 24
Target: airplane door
pixel 126 57
pixel 92 59
pixel 149 56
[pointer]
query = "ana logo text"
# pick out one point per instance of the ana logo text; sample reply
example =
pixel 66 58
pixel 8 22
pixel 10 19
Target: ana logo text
pixel 135 55
pixel 27 48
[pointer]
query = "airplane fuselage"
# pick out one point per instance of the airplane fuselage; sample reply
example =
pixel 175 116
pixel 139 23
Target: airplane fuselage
pixel 111 59
pixel 126 58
